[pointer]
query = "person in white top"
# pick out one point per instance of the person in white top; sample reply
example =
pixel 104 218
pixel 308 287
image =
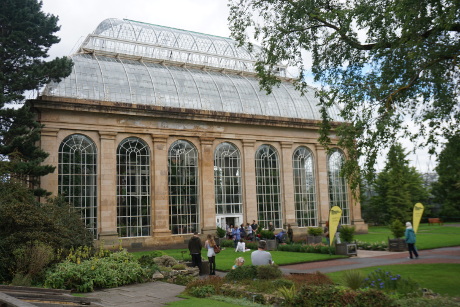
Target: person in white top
pixel 241 247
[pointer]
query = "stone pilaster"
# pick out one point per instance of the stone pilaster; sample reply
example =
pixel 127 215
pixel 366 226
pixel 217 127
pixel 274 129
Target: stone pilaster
pixel 249 180
pixel 160 210
pixel 208 202
pixel 108 188
pixel 49 144
pixel 288 184
pixel 322 184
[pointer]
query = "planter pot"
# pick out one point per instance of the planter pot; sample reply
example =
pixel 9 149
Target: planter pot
pixel 314 239
pixel 346 249
pixel 397 245
pixel 271 245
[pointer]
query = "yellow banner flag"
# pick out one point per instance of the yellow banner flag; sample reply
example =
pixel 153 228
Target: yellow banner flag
pixel 417 216
pixel 334 218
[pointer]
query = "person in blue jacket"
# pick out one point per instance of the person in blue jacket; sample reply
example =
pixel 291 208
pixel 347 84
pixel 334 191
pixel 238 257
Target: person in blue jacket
pixel 410 240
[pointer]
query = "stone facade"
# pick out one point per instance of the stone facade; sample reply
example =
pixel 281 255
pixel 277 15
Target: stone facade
pixel 108 123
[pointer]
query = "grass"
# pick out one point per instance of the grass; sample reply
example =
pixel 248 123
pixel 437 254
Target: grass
pixel 226 258
pixel 440 277
pixel 191 301
pixel 428 237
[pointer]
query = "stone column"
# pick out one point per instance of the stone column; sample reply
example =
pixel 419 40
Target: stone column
pixel 208 201
pixel 49 144
pixel 108 187
pixel 288 184
pixel 160 210
pixel 249 182
pixel 322 184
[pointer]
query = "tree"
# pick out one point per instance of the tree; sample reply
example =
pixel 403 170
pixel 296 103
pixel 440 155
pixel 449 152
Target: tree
pixel 447 189
pixel 397 189
pixel 26 34
pixel 386 63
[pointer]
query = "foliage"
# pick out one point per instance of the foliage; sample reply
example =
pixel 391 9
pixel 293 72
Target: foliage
pixel 329 295
pixel 288 294
pixel 316 278
pixel 315 231
pixel 393 284
pixel 242 273
pixel 220 232
pixel 398 187
pixel 353 279
pixel 183 279
pixel 116 270
pixel 392 66
pixel 32 258
pixel 447 189
pixel 179 266
pixel 397 229
pixel 347 233
pixel 25 221
pixel 374 246
pixel 203 291
pixel 26 36
pixel 214 281
pixel 268 272
pixel 267 234
pixel 165 260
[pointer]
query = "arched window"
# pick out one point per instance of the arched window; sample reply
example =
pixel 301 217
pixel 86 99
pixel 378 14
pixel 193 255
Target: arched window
pixel 304 188
pixel 133 188
pixel 227 179
pixel 77 177
pixel 183 188
pixel 268 186
pixel 338 188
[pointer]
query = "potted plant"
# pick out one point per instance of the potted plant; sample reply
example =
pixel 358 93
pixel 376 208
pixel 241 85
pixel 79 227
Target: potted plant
pixel 397 244
pixel 220 232
pixel 268 236
pixel 346 247
pixel 314 235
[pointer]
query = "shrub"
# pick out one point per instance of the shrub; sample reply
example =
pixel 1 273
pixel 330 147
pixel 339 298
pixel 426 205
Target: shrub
pixel 165 260
pixel 242 273
pixel 179 266
pixel 288 293
pixel 31 259
pixel 353 279
pixel 148 261
pixel 347 233
pixel 267 234
pixel 394 284
pixel 220 232
pixel 268 272
pixel 315 231
pixel 116 270
pixel 278 283
pixel 317 278
pixel 215 281
pixel 203 291
pixel 183 279
pixel 397 229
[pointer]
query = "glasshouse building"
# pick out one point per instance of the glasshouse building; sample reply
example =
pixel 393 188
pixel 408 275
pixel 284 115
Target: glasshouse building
pixel 160 132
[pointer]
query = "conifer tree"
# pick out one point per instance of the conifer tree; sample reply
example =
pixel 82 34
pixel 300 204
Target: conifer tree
pixel 26 34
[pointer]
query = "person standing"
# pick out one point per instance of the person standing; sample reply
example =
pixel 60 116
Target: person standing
pixel 254 227
pixel 261 256
pixel 290 234
pixel 410 240
pixel 236 236
pixel 209 245
pixel 242 232
pixel 195 246
pixel 271 227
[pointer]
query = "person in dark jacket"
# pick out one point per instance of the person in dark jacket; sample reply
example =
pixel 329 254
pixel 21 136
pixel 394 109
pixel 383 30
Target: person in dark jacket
pixel 410 240
pixel 195 246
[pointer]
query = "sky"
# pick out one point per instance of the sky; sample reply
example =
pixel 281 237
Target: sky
pixel 78 18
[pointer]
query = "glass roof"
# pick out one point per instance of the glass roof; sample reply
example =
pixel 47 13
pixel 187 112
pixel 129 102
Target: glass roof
pixel 148 41
pixel 107 78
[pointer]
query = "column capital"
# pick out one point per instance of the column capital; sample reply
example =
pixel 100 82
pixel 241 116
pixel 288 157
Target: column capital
pixel 49 131
pixel 286 145
pixel 248 143
pixel 206 140
pixel 159 138
pixel 107 135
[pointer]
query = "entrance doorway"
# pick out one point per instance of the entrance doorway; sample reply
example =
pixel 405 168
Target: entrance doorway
pixel 225 222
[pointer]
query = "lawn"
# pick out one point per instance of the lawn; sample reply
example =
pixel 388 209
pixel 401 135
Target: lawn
pixel 428 237
pixel 226 258
pixel 440 277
